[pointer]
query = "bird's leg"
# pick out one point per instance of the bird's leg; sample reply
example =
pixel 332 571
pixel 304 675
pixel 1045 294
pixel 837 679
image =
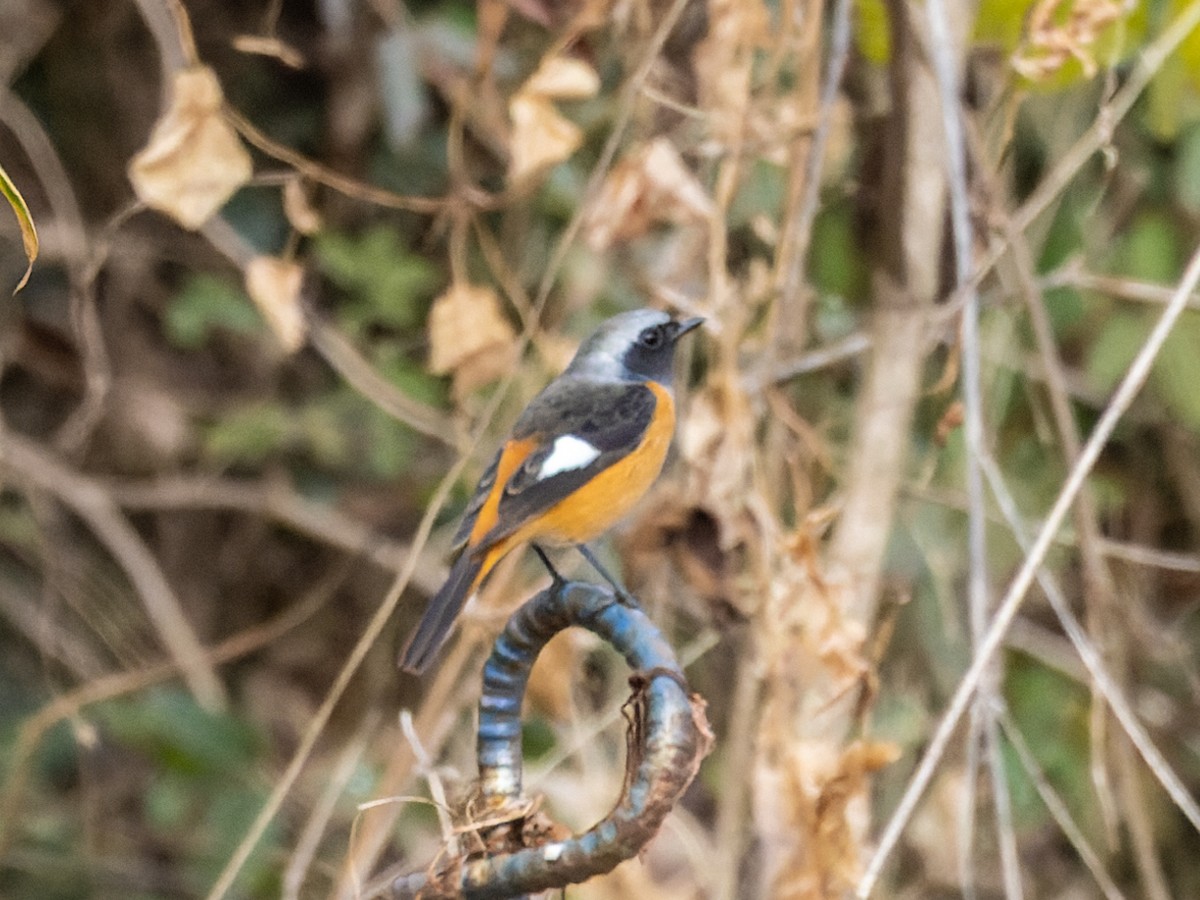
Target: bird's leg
pixel 623 595
pixel 559 581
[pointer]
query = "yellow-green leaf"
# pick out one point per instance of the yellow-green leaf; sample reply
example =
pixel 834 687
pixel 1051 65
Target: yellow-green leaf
pixel 871 31
pixel 28 230
pixel 1189 50
pixel 1001 23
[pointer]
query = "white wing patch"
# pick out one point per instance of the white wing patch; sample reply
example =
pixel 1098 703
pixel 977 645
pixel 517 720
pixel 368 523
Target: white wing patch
pixel 569 453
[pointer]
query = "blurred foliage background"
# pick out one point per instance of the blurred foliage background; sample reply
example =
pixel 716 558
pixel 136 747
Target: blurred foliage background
pixel 300 260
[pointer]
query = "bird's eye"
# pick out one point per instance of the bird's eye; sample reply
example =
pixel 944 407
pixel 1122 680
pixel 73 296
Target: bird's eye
pixel 652 338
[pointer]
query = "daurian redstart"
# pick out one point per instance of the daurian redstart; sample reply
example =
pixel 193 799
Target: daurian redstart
pixel 580 456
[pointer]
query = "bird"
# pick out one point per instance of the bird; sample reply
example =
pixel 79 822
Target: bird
pixel 579 457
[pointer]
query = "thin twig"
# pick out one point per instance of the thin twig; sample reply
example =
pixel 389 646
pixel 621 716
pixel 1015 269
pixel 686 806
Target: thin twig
pixel 434 722
pixel 428 770
pixel 30 618
pixel 1133 553
pixel 341 355
pixel 1129 387
pixel 1100 592
pixel 277 501
pixel 92 503
pixel 1094 663
pixel 942 49
pixel 322 811
pixel 733 801
pixel 108 687
pixel 75 249
pixel 793 257
pixel 1072 275
pixel 343 184
pixel 1092 660
pixel 1057 808
pixel 1096 137
pixel 359 652
pixel 626 104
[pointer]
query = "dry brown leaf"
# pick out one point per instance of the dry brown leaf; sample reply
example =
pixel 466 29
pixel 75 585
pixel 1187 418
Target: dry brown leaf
pixel 718 442
pixel 829 634
pixel 263 45
pixel 1061 30
pixel 469 337
pixel 816 797
pixel 648 186
pixel 299 211
pixel 737 29
pixel 562 78
pixel 194 160
pixel 541 135
pixel 274 286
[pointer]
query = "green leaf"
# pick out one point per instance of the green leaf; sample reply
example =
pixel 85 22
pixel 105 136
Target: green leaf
pixel 1188 53
pixel 1176 373
pixel 871 31
pixel 392 285
pixel 1001 23
pixel 29 236
pixel 207 303
pixel 1115 347
pixel 1187 170
pixel 1151 250
pixel 1052 712
pixel 836 265
pixel 178 734
pixel 248 435
pixel 1166 100
pixel 168 802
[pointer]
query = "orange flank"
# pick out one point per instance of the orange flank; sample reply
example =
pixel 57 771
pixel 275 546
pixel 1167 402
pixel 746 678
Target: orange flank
pixel 593 508
pixel 515 453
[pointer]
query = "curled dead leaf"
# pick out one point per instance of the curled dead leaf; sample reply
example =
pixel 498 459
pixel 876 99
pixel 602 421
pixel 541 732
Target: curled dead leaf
pixel 562 78
pixel 541 138
pixel 298 209
pixel 814 795
pixel 274 286
pixel 29 235
pixel 469 337
pixel 650 185
pixel 728 55
pixel 541 135
pixel 1059 32
pixel 194 160
pixel 266 45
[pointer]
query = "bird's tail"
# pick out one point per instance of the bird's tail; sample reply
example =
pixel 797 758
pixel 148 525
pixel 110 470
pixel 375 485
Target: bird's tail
pixel 429 635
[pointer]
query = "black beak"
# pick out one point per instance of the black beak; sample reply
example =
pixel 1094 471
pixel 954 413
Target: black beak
pixel 687 325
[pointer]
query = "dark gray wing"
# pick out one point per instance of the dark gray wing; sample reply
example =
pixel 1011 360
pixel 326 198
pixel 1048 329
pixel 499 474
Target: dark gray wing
pixel 612 417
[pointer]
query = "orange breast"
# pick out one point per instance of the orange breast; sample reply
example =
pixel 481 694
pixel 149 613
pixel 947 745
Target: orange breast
pixel 597 506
